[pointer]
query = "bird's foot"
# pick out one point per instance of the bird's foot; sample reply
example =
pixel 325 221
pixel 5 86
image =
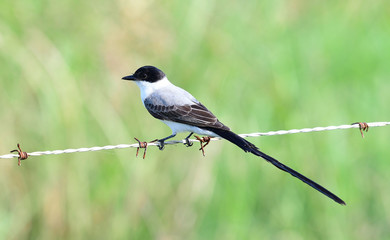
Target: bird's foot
pixel 142 145
pixel 188 143
pixel 362 127
pixel 161 144
pixel 202 140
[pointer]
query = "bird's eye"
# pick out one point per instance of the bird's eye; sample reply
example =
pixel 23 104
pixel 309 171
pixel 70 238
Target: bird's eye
pixel 144 76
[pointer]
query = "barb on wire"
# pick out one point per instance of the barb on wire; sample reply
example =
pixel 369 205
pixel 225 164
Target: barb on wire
pixel 362 127
pixel 202 140
pixel 23 155
pixel 143 145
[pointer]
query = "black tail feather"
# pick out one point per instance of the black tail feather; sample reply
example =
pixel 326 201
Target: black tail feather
pixel 249 147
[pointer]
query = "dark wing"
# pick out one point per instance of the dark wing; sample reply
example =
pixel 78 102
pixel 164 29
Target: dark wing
pixel 195 114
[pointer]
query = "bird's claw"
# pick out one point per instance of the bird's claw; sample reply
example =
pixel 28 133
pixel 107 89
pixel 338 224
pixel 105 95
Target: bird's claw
pixel 188 143
pixel 203 140
pixel 362 127
pixel 142 145
pixel 161 144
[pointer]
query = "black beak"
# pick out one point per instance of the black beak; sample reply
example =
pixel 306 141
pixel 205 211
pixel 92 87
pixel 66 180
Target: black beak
pixel 130 77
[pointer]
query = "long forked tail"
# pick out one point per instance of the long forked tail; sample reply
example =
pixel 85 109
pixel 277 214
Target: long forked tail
pixel 249 147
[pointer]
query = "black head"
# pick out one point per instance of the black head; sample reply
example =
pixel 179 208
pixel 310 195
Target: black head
pixel 146 73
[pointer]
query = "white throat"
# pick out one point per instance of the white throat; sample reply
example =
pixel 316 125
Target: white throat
pixel 148 88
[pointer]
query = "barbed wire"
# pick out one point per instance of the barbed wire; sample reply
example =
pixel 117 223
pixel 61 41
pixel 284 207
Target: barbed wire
pixel 23 155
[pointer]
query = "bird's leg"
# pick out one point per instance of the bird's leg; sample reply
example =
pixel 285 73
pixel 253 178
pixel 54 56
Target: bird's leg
pixel 161 141
pixel 203 140
pixel 188 143
pixel 142 145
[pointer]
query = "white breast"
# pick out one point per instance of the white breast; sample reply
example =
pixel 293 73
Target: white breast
pixel 164 92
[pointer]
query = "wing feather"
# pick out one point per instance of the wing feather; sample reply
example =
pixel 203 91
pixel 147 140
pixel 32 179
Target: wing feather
pixel 195 114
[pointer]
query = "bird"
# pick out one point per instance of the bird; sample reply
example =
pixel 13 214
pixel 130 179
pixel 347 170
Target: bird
pixel 182 112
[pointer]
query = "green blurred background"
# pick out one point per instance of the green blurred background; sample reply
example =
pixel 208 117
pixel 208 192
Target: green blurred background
pixel 258 65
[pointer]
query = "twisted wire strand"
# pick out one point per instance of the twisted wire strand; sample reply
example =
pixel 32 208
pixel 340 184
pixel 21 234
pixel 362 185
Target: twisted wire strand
pixel 136 145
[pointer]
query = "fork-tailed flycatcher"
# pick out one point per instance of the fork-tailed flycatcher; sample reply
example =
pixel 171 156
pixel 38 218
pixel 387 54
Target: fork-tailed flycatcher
pixel 183 113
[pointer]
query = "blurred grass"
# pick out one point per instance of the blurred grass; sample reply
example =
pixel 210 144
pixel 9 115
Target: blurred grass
pixel 257 65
